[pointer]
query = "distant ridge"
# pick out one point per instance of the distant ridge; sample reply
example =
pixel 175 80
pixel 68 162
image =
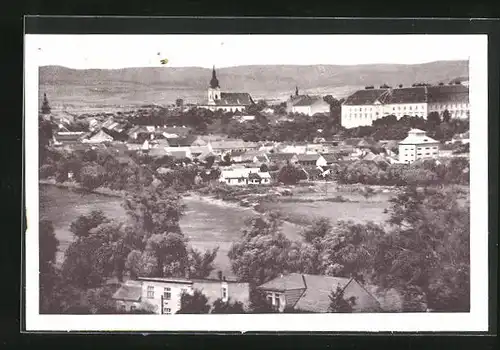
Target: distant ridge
pixel 260 81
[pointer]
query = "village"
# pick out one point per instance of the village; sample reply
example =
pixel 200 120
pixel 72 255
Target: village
pixel 350 147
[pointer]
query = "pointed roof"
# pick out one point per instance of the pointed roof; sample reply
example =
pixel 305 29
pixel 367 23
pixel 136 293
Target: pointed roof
pixel 214 82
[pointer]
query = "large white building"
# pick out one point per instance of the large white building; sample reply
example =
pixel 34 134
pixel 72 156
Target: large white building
pixel 365 106
pixel 417 145
pixel 225 101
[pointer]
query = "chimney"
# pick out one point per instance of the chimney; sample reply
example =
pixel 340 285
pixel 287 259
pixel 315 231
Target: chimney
pixel 219 274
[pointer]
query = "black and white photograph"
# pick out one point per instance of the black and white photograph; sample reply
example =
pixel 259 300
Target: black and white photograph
pixel 294 182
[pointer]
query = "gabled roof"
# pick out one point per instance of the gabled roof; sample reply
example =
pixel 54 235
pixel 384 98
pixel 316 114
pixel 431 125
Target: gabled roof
pixel 365 97
pixel 129 291
pixel 234 99
pixel 330 157
pixel 232 144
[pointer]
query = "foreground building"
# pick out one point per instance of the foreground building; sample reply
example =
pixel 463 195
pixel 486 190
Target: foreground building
pixel 245 176
pixel 417 145
pixel 163 295
pixel 311 293
pixel 365 106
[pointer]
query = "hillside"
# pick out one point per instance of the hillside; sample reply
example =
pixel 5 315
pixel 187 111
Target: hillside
pixel 163 85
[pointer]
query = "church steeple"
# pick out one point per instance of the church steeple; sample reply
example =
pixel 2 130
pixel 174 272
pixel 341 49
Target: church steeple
pixel 214 82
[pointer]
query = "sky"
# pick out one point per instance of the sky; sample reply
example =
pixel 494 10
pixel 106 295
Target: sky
pixel 121 51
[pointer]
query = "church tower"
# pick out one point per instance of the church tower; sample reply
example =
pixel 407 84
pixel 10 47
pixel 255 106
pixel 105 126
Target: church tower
pixel 214 89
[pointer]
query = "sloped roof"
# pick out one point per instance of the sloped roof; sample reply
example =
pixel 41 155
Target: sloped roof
pixel 280 156
pixel 330 157
pixel 182 141
pixel 129 291
pixel 179 154
pixel 234 99
pixel 157 152
pixel 406 95
pixel 311 292
pixel 365 97
pixel 69 136
pixel 308 157
pixel 232 144
pixel 306 100
pixel 416 136
pixel 448 93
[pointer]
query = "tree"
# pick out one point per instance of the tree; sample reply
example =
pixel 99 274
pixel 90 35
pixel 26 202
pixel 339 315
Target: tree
pixel 318 230
pixel 263 252
pixel 155 210
pixel 263 168
pixel 446 116
pixel 45 105
pixel 170 253
pixel 48 245
pixel 84 223
pixel 338 303
pixel 226 160
pixel 92 176
pixel 201 264
pixel 197 303
pixel 433 120
pixel 209 161
pixel 227 307
pixel 179 102
pixel 290 174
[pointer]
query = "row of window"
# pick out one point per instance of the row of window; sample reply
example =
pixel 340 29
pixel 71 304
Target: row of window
pixel 453 105
pixel 410 108
pixel 167 292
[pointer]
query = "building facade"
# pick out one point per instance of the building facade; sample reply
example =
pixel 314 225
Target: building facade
pixel 417 145
pixel 163 295
pixel 365 106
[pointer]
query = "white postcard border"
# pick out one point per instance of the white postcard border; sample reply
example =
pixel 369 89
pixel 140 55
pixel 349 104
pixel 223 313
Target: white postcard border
pixel 476 320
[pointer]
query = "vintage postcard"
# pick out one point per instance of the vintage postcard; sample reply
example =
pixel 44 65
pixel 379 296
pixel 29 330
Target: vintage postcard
pixel 256 183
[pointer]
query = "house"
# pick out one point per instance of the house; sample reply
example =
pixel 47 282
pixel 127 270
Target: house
pixel 296 148
pixel 172 132
pixel 311 293
pixel 462 138
pixel 187 141
pixel 245 176
pixel 417 145
pixel 311 159
pixel 163 295
pixel 66 138
pixel 225 101
pixel 245 118
pixel 281 159
pixel 330 158
pixel 203 151
pixel 305 104
pixel 100 137
pixel 253 157
pixel 225 146
pixel 179 152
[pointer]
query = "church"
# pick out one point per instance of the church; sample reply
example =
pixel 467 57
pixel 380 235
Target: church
pixel 225 101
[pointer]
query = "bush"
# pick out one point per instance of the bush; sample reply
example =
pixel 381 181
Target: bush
pixel 47 170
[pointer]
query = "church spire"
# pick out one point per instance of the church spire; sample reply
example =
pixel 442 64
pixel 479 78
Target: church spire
pixel 214 82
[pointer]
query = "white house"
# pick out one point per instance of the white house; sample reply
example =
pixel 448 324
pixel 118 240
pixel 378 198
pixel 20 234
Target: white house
pixel 163 295
pixel 453 98
pixel 245 176
pixel 311 159
pixel 308 105
pixel 417 145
